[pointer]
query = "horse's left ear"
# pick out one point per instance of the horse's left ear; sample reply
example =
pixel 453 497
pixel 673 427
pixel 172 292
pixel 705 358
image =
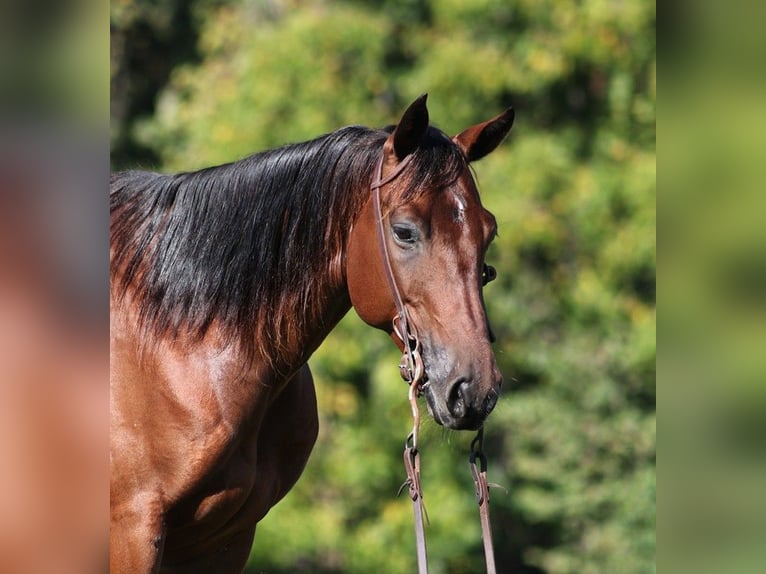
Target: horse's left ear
pixel 479 140
pixel 410 130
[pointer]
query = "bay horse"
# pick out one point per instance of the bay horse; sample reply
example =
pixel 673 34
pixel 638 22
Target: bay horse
pixel 223 283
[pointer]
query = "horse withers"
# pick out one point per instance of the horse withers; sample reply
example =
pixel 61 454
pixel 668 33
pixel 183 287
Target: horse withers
pixel 223 283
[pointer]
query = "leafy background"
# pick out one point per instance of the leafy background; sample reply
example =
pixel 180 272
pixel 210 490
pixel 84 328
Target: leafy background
pixel 572 439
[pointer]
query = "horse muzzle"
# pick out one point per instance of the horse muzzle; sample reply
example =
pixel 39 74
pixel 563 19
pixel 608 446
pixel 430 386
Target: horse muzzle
pixel 462 401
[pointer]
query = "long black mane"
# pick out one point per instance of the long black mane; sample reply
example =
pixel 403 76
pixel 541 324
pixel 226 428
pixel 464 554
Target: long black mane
pixel 247 244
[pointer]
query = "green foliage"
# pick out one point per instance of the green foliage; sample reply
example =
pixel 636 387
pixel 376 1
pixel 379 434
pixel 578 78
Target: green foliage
pixel 260 69
pixel 573 437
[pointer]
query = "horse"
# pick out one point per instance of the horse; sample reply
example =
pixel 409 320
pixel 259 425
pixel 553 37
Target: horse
pixel 224 281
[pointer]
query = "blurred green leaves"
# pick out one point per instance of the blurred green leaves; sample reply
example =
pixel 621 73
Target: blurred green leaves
pixel 252 93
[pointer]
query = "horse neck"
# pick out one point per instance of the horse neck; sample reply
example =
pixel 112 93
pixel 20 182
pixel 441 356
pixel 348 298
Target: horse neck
pixel 298 350
pixel 279 224
pixel 314 314
pixel 312 294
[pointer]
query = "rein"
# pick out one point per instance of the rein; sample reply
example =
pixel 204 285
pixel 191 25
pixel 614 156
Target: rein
pixel 412 371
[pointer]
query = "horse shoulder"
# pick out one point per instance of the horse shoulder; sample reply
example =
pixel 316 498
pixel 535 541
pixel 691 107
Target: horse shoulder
pixel 288 433
pixel 260 471
pixel 175 411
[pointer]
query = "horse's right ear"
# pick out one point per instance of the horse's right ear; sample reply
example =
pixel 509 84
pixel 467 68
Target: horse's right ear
pixel 410 130
pixel 479 140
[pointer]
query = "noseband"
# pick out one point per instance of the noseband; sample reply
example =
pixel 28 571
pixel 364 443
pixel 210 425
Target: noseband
pixel 412 371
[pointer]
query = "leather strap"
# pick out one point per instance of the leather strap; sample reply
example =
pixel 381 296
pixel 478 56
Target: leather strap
pixel 482 497
pixel 413 370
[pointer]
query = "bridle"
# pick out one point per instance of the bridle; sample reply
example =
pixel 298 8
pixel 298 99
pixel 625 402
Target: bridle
pixel 412 371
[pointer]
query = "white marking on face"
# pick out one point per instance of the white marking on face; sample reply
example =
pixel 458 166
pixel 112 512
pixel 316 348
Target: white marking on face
pixel 460 211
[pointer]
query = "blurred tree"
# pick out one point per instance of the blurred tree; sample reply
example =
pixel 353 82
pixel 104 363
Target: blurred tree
pixel 148 39
pixel 573 437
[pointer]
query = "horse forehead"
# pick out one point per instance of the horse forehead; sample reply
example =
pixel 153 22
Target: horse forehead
pixel 456 203
pixel 464 192
pixel 467 208
pixel 460 202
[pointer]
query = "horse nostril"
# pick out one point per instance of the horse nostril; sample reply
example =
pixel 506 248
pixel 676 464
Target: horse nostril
pixel 490 401
pixel 458 398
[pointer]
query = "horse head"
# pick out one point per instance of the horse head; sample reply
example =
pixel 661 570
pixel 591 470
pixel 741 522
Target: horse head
pixel 420 253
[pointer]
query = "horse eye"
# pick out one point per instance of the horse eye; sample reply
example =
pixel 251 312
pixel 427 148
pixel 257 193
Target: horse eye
pixel 488 274
pixel 405 234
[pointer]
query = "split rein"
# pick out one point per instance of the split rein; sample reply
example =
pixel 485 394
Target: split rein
pixel 413 372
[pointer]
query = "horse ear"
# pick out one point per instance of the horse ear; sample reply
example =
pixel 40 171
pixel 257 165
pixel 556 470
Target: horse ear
pixel 477 141
pixel 410 130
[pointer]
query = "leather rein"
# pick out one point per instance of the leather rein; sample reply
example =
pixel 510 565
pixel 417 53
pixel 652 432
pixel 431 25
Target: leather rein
pixel 412 371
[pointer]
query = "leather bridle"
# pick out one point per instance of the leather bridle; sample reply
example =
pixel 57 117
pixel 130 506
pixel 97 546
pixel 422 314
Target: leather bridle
pixel 412 371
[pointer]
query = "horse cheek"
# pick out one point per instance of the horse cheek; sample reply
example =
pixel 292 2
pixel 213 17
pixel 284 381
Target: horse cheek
pixel 365 279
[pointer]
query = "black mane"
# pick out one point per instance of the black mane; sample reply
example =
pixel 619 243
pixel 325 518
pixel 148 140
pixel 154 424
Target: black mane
pixel 247 244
